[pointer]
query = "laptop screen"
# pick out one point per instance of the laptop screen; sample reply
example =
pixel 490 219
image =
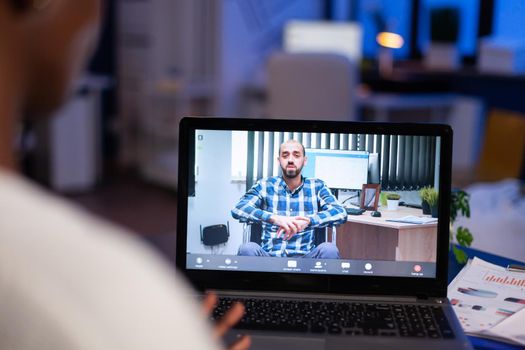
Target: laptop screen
pixel 263 199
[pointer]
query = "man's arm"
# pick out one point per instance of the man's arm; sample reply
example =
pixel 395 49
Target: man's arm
pixel 289 225
pixel 248 209
pixel 331 212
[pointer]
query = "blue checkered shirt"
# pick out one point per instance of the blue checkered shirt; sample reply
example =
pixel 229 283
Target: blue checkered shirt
pixel 312 199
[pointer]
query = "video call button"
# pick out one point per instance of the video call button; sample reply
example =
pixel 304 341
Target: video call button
pixel 292 263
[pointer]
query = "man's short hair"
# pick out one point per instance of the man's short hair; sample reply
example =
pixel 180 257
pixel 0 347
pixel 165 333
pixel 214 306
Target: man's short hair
pixel 292 141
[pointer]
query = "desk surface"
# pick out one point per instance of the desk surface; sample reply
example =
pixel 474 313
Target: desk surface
pixel 497 90
pixel 366 218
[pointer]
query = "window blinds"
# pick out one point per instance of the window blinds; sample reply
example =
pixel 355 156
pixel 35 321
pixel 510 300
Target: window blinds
pixel 405 162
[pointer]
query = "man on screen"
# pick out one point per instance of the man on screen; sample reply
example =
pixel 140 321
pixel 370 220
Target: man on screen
pixel 290 207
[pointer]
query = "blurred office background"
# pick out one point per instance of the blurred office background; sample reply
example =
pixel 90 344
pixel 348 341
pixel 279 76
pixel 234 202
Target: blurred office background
pixel 113 147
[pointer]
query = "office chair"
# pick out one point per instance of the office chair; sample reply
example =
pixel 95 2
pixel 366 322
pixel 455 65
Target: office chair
pixel 312 86
pixel 214 236
pixel 500 158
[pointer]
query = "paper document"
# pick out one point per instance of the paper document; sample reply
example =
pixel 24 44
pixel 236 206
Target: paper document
pixel 411 219
pixel 489 301
pixel 511 328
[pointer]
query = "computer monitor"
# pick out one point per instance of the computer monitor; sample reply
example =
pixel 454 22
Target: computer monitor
pixel 343 170
pixel 321 36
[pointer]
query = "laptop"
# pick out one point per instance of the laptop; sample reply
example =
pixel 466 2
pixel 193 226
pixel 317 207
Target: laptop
pixel 341 282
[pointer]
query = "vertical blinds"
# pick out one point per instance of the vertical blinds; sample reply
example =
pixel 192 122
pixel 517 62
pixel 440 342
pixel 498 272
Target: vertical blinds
pixel 405 162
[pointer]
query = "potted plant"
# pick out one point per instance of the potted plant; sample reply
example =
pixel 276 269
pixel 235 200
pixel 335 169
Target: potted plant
pixel 433 203
pixel 431 197
pixel 392 201
pixel 424 193
pixel 460 206
pixel 382 199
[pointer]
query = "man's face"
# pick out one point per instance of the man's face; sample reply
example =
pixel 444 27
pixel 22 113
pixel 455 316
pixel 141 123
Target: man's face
pixel 292 159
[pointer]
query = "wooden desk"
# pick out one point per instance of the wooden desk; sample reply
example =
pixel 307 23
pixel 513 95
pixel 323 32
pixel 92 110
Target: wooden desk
pixel 366 237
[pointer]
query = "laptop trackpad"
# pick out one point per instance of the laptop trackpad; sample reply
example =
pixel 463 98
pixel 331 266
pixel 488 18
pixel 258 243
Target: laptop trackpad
pixel 286 343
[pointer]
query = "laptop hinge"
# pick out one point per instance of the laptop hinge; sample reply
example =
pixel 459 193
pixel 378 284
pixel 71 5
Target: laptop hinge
pixel 422 297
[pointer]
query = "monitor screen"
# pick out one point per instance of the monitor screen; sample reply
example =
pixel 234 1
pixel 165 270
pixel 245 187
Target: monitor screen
pixel 340 169
pixel 263 201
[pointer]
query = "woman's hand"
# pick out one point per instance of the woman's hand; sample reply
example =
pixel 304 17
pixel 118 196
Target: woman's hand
pixel 223 325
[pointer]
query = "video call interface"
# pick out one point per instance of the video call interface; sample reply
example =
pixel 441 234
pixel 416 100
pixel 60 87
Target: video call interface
pixel 312 203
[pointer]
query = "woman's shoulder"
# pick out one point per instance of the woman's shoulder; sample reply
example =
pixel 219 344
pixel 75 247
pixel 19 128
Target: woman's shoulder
pixel 91 272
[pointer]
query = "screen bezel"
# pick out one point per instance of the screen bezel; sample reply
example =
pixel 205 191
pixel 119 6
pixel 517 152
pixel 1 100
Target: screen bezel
pixel 291 282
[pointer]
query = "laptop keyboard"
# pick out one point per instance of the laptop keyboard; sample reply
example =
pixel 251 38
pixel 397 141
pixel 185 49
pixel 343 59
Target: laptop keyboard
pixel 339 318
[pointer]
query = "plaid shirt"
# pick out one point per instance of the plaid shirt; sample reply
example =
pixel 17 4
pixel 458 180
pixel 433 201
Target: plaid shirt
pixel 312 199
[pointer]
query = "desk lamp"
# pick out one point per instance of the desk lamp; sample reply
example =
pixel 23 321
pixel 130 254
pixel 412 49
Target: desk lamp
pixel 387 42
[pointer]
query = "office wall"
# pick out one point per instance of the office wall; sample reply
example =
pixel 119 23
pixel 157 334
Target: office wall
pixel 508 19
pixel 215 193
pixel 249 31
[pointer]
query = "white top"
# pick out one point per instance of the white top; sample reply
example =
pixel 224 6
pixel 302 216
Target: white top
pixel 70 281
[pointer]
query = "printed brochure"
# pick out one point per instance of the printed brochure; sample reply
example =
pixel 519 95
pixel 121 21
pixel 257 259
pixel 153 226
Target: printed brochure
pixel 489 301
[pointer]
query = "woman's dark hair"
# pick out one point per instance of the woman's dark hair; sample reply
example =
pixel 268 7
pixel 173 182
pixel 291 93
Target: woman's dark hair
pixel 20 5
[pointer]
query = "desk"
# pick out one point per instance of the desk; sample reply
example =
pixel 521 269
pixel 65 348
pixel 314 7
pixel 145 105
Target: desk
pixel 370 238
pixel 384 107
pixel 496 90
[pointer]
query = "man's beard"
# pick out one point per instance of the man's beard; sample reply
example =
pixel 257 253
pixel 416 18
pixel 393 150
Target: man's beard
pixel 292 173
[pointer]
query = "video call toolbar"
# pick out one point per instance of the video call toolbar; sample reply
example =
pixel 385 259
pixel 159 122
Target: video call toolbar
pixel 311 266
